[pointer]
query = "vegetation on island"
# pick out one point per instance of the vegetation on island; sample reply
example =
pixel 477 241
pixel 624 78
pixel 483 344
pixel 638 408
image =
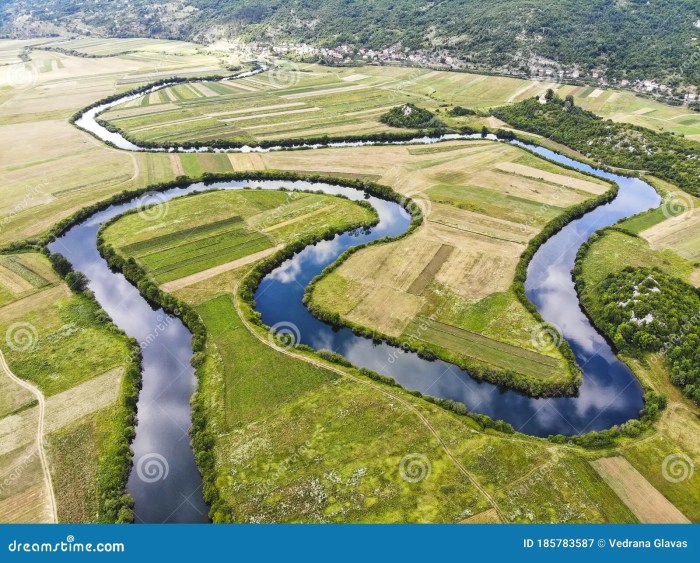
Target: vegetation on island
pixel 410 116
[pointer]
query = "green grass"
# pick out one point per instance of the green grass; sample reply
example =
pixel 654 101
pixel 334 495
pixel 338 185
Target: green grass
pixel 476 347
pixel 199 232
pixel 616 250
pixel 74 459
pixel 191 257
pixel 256 378
pixel 302 445
pixel 649 456
pixel 493 203
pixel 71 345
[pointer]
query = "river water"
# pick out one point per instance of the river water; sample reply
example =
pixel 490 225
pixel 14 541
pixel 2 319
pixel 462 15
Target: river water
pixel 165 481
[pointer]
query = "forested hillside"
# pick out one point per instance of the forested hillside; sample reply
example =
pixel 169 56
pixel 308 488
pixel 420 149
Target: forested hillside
pixel 665 155
pixel 630 39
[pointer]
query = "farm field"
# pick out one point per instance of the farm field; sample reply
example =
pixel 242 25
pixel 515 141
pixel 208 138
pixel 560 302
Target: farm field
pixel 677 431
pixel 307 100
pixel 50 174
pixel 50 168
pixel 484 201
pixel 325 451
pixel 45 328
pixel 202 232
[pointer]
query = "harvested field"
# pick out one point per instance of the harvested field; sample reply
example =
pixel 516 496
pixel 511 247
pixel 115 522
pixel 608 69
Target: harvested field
pixel 647 503
pixel 681 234
pixel 557 179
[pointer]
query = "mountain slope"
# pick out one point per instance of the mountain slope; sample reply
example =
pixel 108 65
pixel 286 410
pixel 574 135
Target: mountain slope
pixel 633 39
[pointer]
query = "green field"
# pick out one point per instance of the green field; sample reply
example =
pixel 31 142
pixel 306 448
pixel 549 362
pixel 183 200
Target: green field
pixel 474 346
pixel 298 442
pixel 319 100
pixel 45 329
pixel 678 429
pixel 193 234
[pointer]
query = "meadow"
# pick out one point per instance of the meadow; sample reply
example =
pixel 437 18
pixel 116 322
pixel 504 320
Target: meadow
pixel 484 203
pixel 677 431
pixel 308 100
pixel 45 328
pixel 212 229
pixel 325 455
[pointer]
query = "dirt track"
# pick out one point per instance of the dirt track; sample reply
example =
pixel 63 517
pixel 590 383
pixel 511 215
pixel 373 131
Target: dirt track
pixel 50 498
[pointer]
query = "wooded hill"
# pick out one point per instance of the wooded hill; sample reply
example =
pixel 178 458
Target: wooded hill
pixel 630 38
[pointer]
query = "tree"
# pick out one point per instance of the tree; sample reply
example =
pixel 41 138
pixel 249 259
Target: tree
pixel 549 96
pixel 77 281
pixel 60 264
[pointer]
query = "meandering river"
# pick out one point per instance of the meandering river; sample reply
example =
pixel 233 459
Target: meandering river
pixel 165 481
